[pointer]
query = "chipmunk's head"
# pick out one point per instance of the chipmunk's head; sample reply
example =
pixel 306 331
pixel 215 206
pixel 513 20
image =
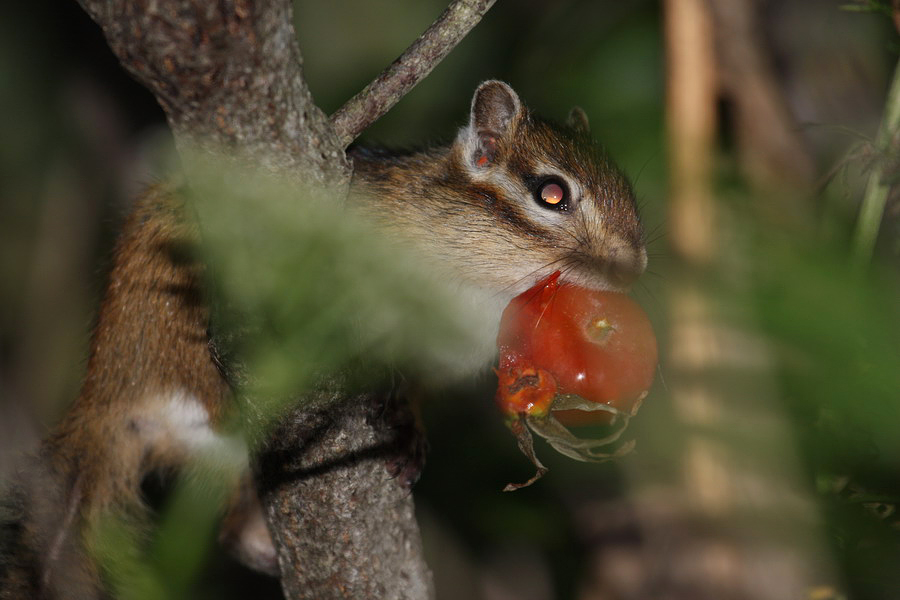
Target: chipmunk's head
pixel 557 200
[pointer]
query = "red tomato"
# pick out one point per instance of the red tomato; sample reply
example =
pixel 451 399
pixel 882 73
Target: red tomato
pixel 596 345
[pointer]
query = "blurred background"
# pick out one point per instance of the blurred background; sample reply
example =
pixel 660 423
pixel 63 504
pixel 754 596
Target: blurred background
pixel 771 440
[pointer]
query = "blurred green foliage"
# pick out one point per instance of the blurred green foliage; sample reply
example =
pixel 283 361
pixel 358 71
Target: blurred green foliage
pixel 834 329
pixel 836 334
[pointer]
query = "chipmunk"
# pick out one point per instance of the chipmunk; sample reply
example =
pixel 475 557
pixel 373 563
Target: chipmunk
pixel 512 199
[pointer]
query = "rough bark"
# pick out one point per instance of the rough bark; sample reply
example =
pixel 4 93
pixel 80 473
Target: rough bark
pixel 229 77
pixel 347 520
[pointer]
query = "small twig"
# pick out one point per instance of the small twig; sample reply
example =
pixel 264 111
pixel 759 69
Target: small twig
pixel 406 71
pixel 877 188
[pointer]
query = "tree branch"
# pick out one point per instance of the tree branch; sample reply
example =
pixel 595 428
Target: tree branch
pixel 691 123
pixel 412 66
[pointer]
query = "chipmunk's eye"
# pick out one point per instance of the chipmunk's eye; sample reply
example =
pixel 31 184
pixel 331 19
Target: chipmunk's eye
pixel 552 193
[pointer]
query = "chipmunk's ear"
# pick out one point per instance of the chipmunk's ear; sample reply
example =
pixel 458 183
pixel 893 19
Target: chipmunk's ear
pixel 578 120
pixel 495 108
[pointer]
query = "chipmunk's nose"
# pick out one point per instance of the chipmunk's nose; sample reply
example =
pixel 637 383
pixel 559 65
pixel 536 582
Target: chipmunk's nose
pixel 625 266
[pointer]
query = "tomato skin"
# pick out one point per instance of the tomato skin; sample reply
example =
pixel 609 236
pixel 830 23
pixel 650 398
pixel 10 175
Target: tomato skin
pixel 516 336
pixel 598 345
pixel 595 344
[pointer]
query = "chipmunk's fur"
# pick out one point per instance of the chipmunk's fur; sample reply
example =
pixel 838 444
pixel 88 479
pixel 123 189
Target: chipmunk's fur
pixel 153 393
